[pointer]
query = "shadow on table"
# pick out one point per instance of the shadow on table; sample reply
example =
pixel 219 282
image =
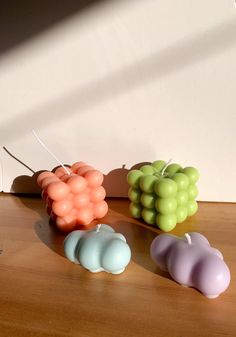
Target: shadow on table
pixel 50 235
pixel 138 238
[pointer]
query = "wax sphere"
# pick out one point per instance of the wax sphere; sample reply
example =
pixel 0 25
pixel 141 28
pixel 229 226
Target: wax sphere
pixel 192 191
pixel 192 173
pixel 66 177
pixel 77 165
pixel 134 194
pixel 181 180
pixel 133 178
pixel 84 216
pixel 166 188
pixel 62 207
pixel 58 190
pixel 94 178
pixel 149 215
pixel 182 198
pixel 148 169
pixel 66 223
pixel 81 200
pixel 166 222
pixel 60 171
pixel 135 210
pixel 48 180
pixel 44 175
pixel 181 214
pixel 166 205
pixel 100 209
pixel 97 194
pixel 173 168
pixel 148 200
pixel 84 169
pixel 147 183
pixel 192 207
pixel 77 184
pixel 159 165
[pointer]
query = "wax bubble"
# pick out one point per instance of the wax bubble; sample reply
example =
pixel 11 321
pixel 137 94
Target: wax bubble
pixel 77 165
pixel 97 194
pixel 84 169
pixel 58 190
pixel 100 209
pixel 66 223
pixel 62 207
pixel 65 177
pixel 81 200
pixel 84 216
pixel 94 178
pixel 47 181
pixel 44 175
pixel 60 171
pixel 77 184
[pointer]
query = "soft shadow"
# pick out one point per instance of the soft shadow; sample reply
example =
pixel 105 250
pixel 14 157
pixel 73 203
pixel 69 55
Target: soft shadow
pixel 26 184
pixel 22 20
pixel 115 182
pixel 139 236
pixel 139 239
pixel 48 233
pixel 162 63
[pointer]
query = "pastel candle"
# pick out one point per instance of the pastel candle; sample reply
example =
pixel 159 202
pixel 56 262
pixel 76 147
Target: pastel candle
pixel 73 197
pixel 192 262
pixel 163 194
pixel 99 249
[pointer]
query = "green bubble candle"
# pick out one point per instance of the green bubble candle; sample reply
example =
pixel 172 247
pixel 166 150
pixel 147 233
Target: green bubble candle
pixel 163 194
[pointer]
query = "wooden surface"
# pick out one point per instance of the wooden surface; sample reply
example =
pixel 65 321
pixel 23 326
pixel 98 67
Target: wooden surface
pixel 43 294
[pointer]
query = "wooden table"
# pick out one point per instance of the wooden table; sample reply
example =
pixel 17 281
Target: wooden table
pixel 43 294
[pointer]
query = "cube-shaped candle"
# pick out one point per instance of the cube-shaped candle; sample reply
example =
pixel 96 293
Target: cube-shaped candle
pixel 73 197
pixel 163 194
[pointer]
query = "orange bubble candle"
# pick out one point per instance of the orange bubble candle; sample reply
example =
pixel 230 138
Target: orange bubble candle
pixel 75 198
pixel 74 195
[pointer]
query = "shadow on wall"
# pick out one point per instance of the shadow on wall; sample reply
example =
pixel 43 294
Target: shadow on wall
pixel 22 20
pixel 160 64
pixel 115 182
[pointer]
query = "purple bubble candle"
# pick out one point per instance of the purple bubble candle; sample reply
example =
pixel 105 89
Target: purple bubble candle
pixel 192 262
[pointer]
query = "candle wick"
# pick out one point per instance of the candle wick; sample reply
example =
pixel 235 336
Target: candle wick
pixel 188 237
pixel 50 152
pixel 98 228
pixel 164 168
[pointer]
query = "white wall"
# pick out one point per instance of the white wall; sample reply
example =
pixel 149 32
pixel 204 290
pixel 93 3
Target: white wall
pixel 126 82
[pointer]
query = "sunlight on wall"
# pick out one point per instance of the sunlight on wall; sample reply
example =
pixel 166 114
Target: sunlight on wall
pixel 126 82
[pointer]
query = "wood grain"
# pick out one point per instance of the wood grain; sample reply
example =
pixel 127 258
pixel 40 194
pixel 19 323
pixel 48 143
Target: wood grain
pixel 43 294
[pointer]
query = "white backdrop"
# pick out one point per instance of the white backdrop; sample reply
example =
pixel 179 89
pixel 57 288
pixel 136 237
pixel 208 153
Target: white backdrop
pixel 125 82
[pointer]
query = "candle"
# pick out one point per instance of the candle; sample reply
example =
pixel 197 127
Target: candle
pixel 74 194
pixel 192 262
pixel 99 249
pixel 163 194
pixel 73 197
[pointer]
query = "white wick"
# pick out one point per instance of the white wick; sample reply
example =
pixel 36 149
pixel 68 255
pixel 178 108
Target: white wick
pixel 188 237
pixel 50 152
pixel 98 228
pixel 164 168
